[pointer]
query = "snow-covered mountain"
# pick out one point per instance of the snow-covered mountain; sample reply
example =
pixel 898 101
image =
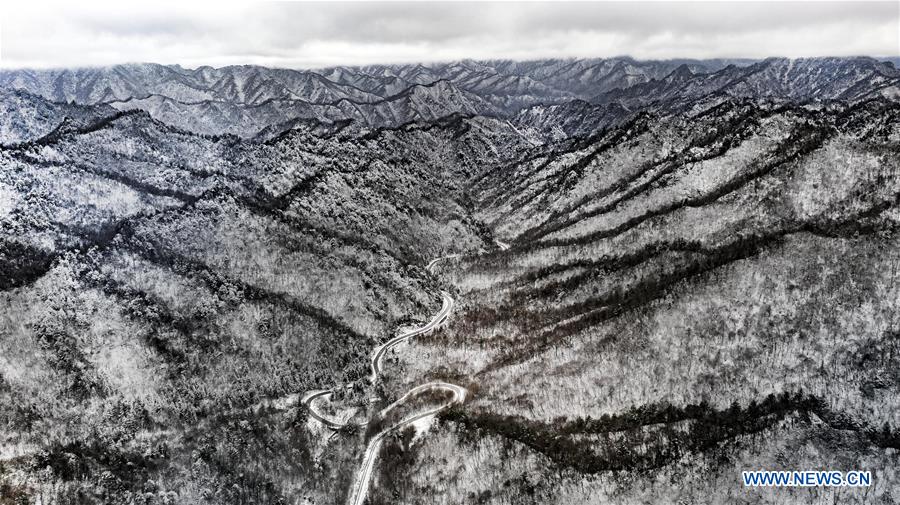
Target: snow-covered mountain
pixel 25 117
pixel 809 79
pixel 425 102
pixel 664 273
pixel 244 84
pixel 244 100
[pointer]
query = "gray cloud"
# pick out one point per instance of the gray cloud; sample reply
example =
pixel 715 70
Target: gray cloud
pixel 323 34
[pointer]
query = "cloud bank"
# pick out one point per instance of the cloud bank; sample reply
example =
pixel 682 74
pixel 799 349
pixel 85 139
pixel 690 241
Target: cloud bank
pixel 315 35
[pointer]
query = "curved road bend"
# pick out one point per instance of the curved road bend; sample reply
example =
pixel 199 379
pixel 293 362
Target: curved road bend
pixel 433 262
pixel 312 396
pixel 436 321
pixel 361 483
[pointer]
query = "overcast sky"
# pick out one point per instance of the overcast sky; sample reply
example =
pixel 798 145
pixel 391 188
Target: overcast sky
pixel 312 35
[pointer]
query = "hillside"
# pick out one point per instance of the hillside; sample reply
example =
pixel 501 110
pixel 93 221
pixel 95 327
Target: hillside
pixel 635 279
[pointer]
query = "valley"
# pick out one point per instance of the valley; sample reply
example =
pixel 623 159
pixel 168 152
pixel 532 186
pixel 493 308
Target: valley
pixel 494 282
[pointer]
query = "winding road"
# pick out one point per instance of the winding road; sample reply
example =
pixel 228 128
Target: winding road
pixel 312 396
pixel 458 395
pixel 436 321
pixel 364 477
pixel 433 262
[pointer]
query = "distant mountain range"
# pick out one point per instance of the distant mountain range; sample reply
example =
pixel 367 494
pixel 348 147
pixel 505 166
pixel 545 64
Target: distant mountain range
pixel 664 273
pixel 244 100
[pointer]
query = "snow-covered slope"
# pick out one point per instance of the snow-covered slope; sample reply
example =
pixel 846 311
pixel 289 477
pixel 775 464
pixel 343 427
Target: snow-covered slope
pixel 244 100
pixel 694 275
pixel 808 79
pixel 25 117
pixel 244 84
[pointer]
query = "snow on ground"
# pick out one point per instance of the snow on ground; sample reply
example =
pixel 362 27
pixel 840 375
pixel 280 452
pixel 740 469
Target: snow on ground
pixel 8 200
pixel 422 426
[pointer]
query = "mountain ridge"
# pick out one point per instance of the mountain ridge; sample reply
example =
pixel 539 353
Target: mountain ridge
pixel 693 274
pixel 204 97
